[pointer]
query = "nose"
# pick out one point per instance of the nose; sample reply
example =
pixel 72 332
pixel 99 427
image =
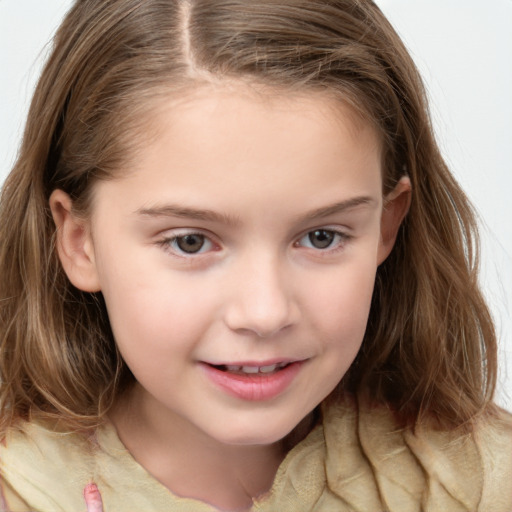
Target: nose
pixel 261 299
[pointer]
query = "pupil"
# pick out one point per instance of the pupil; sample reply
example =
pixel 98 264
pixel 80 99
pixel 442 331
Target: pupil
pixel 321 238
pixel 190 243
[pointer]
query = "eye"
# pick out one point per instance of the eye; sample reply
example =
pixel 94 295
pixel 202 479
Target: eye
pixel 188 244
pixel 322 239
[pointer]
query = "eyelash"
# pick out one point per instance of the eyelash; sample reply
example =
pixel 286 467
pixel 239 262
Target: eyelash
pixel 333 246
pixel 339 241
pixel 170 244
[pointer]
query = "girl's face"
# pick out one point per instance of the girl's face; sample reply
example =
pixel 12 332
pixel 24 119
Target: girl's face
pixel 237 258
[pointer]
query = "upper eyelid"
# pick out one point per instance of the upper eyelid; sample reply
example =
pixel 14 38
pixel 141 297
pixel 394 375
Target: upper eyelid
pixel 343 231
pixel 168 235
pixel 184 231
pixel 172 233
pixel 166 243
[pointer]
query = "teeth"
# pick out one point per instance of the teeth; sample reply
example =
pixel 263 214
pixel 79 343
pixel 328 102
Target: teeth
pixel 254 369
pixel 250 369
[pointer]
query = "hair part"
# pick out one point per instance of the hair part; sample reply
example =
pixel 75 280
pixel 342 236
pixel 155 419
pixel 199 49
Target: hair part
pixel 429 349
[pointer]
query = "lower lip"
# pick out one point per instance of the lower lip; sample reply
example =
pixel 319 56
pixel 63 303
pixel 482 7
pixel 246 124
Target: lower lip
pixel 254 387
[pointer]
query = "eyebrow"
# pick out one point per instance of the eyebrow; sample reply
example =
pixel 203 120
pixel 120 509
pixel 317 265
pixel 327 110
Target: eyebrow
pixel 347 204
pixel 171 210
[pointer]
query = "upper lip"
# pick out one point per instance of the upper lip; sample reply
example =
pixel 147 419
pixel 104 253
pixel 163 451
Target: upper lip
pixel 266 362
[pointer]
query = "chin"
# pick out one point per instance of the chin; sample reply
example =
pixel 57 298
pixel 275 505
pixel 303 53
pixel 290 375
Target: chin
pixel 263 433
pixel 251 437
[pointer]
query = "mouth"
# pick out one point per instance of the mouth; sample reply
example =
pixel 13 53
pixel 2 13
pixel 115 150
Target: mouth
pixel 245 369
pixel 253 381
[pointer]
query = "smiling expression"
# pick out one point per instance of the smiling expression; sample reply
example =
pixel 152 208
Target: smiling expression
pixel 237 258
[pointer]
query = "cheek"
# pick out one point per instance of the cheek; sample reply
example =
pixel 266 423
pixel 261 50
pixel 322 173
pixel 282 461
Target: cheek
pixel 341 310
pixel 157 333
pixel 154 309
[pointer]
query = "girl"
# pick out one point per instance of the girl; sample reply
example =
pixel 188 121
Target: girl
pixel 236 273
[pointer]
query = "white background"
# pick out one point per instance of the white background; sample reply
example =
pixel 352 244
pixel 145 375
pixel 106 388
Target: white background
pixel 464 51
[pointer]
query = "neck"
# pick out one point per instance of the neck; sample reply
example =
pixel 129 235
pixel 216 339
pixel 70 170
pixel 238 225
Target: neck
pixel 190 463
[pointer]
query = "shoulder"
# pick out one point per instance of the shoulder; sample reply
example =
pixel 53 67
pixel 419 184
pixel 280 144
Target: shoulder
pixel 421 468
pixel 493 437
pixel 10 500
pixel 44 470
pixel 36 463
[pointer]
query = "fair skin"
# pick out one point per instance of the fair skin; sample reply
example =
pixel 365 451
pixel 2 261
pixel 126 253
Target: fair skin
pixel 245 235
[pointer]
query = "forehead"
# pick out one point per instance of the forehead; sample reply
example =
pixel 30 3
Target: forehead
pixel 239 141
pixel 233 115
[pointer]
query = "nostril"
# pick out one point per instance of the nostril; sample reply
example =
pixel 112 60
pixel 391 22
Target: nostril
pixel 269 333
pixel 263 305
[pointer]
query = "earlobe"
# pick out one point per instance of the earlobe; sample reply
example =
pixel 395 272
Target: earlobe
pixel 74 243
pixel 396 206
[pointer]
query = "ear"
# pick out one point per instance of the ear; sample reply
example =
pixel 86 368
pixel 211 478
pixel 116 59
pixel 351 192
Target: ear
pixel 74 243
pixel 396 206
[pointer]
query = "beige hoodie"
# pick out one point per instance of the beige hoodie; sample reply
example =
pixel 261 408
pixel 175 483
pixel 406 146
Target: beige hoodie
pixel 355 460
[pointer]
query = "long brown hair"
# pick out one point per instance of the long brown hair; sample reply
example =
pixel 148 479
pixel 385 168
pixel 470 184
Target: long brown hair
pixel 429 350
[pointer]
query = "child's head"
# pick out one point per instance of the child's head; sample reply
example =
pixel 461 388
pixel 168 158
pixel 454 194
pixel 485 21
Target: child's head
pixel 243 238
pixel 119 71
